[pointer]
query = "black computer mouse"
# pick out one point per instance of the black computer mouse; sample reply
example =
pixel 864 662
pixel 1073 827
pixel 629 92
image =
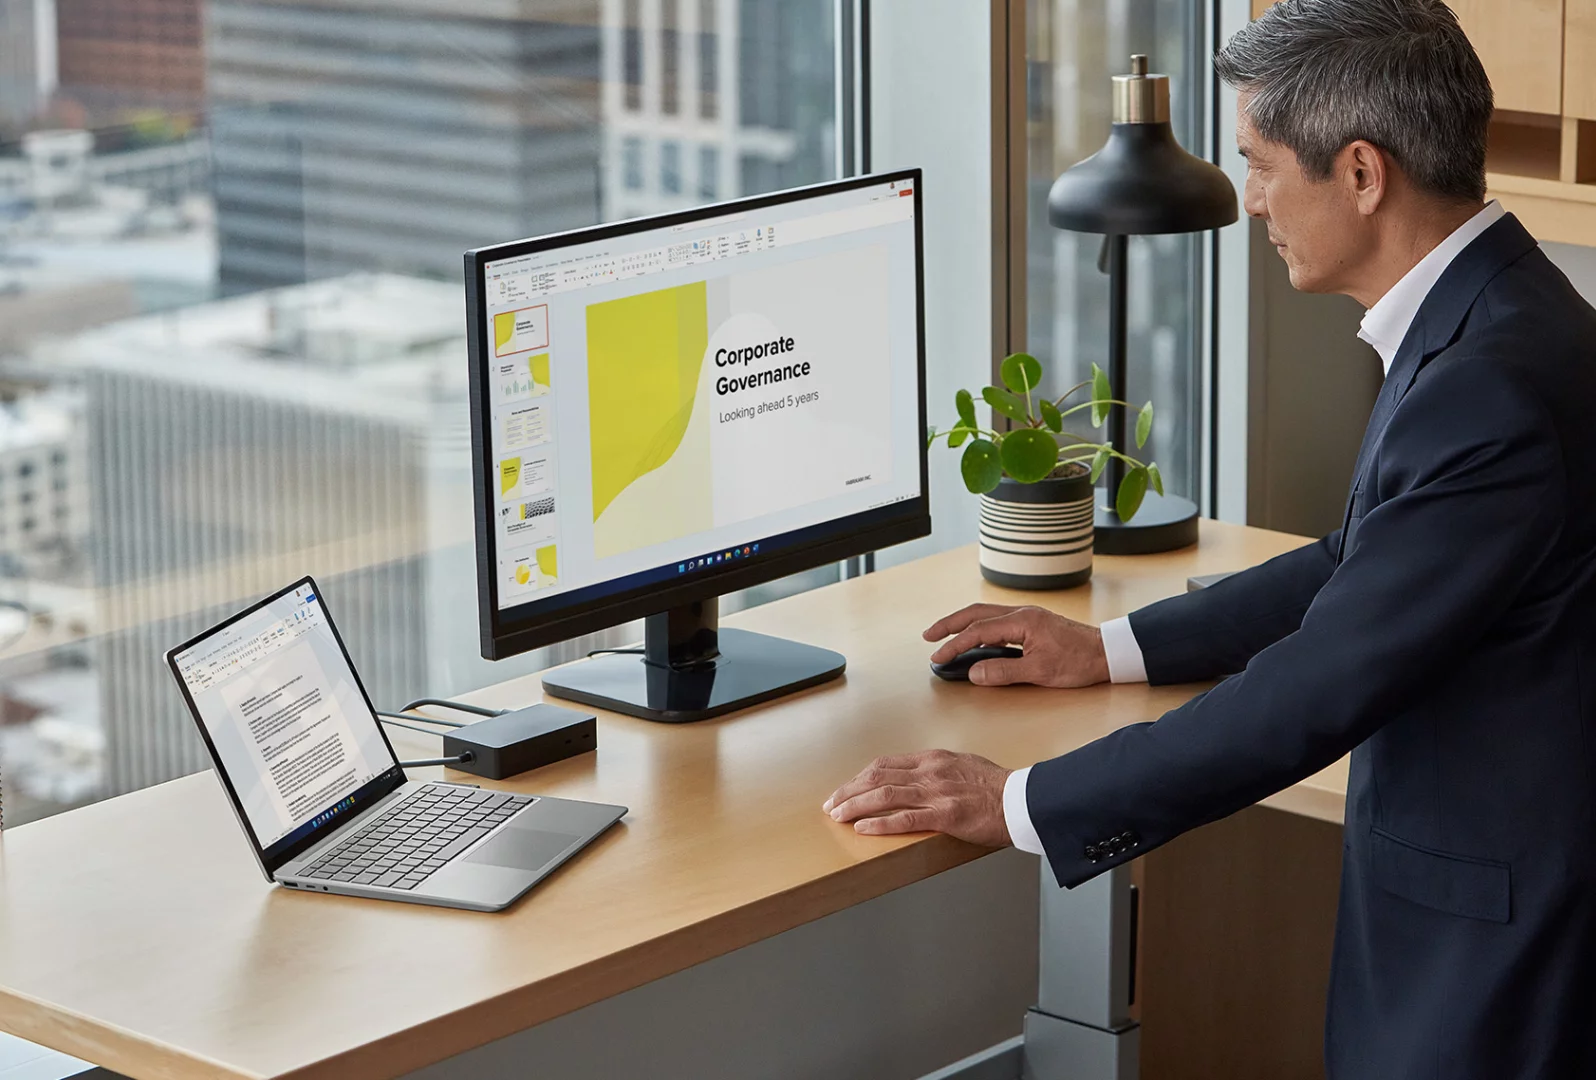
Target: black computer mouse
pixel 958 669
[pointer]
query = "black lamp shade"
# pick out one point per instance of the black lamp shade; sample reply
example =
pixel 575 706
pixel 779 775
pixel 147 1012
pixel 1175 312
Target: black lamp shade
pixel 1141 182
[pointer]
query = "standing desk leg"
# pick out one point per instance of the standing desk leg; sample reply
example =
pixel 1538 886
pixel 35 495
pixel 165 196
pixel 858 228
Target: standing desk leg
pixel 1081 1027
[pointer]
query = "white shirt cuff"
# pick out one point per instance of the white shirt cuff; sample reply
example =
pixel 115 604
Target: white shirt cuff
pixel 1125 663
pixel 1017 815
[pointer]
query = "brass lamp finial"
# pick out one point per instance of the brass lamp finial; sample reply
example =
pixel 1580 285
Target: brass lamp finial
pixel 1140 98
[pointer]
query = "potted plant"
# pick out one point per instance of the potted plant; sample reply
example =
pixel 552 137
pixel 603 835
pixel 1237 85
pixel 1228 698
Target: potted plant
pixel 1036 478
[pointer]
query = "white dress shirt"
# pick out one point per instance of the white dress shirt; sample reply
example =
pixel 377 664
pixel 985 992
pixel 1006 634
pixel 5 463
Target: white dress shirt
pixel 1384 326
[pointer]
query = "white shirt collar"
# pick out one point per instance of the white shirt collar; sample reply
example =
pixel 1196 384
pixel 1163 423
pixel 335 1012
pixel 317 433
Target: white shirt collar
pixel 1386 323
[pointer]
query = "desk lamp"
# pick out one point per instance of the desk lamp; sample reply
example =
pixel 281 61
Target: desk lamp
pixel 1140 183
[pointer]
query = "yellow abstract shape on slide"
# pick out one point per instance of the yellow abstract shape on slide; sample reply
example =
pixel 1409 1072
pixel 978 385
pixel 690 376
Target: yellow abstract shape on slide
pixel 509 475
pixel 644 354
pixel 523 574
pixel 539 366
pixel 503 330
pixel 546 563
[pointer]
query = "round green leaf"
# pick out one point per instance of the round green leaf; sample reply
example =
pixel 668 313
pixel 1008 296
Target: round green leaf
pixel 1020 372
pixel 1155 477
pixel 1029 454
pixel 1131 492
pixel 957 436
pixel 981 466
pixel 965 404
pixel 1005 403
pixel 1144 425
pixel 1051 417
pixel 1101 394
pixel 1099 463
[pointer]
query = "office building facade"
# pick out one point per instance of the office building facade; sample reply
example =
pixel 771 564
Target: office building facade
pixel 350 138
pixel 20 89
pixel 711 99
pixel 121 56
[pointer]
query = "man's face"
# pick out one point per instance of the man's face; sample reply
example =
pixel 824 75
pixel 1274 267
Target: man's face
pixel 1314 224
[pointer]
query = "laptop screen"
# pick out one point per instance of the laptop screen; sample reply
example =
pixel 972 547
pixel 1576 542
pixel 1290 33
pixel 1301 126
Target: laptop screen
pixel 288 724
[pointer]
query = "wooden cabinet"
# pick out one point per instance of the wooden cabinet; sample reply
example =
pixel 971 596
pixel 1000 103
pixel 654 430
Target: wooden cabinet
pixel 1579 59
pixel 1520 42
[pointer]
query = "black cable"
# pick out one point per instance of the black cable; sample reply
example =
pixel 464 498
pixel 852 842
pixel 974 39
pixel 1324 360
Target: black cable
pixel 383 718
pixel 617 652
pixel 427 719
pixel 442 703
pixel 458 759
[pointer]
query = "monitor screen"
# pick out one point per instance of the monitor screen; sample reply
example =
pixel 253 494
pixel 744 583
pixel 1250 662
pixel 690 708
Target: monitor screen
pixel 682 396
pixel 285 717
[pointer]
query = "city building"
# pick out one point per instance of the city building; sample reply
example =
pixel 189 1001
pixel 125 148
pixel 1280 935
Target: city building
pixel 43 482
pixel 117 57
pixel 711 99
pixel 22 82
pixel 349 137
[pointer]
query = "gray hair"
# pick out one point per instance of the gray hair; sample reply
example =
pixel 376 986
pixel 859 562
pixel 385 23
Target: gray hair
pixel 1397 73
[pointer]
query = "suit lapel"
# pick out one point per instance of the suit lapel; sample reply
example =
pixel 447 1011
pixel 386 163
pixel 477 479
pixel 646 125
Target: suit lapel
pixel 1435 326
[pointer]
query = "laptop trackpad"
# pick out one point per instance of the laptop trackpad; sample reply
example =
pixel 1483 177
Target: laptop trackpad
pixel 521 848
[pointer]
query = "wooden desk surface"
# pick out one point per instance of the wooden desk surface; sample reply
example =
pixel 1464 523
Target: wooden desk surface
pixel 138 933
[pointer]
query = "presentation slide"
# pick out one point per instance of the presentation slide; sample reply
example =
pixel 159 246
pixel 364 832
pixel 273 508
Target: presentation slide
pixel 520 330
pixel 722 401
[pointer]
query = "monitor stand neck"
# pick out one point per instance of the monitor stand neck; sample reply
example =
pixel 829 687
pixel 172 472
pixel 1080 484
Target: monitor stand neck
pixel 684 638
pixel 691 669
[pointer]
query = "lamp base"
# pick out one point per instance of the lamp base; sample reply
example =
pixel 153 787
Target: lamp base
pixel 1164 523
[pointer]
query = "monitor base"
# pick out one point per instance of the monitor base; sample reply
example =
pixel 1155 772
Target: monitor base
pixel 691 670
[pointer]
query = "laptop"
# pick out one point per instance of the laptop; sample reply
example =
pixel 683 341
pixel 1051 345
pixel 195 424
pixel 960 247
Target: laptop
pixel 316 786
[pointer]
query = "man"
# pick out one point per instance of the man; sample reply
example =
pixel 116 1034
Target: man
pixel 1445 635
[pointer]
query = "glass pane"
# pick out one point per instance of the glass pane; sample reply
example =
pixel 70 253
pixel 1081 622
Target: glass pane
pixel 1073 48
pixel 231 313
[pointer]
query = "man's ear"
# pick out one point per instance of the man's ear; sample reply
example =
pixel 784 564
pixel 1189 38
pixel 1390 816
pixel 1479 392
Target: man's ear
pixel 1366 172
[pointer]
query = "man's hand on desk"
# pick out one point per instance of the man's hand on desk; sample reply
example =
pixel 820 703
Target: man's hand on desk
pixel 1059 652
pixel 931 791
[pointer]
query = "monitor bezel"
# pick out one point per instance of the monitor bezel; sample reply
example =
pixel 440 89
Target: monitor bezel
pixel 295 843
pixel 505 634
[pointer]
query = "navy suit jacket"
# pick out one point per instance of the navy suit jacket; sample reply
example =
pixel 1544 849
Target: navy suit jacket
pixel 1446 637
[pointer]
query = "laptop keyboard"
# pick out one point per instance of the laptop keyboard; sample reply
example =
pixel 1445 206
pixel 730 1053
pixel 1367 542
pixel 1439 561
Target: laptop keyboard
pixel 418 836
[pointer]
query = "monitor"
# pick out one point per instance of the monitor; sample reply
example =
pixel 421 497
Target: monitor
pixel 667 409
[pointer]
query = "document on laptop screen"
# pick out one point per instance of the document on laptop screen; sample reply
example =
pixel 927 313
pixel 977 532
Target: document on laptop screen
pixel 291 728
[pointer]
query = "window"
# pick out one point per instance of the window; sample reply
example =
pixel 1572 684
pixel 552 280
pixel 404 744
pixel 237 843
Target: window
pixel 670 167
pixel 708 171
pixel 632 54
pixel 708 58
pixel 670 54
pixel 632 158
pixel 256 198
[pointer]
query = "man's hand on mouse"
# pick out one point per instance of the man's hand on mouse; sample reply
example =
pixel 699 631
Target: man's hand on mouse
pixel 931 791
pixel 1059 652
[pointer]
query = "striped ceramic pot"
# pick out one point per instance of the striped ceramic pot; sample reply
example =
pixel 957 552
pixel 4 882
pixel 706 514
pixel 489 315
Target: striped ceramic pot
pixel 1038 536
